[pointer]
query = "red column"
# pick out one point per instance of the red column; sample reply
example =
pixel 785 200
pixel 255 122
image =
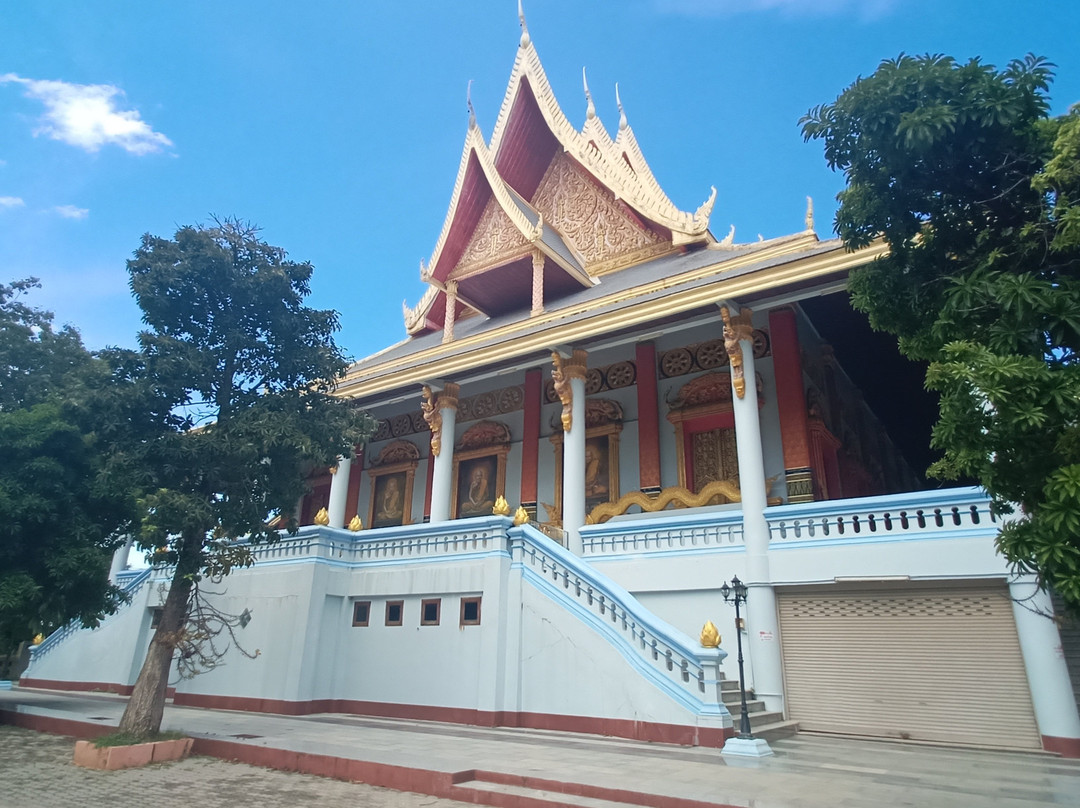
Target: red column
pixel 530 441
pixel 648 418
pixel 791 402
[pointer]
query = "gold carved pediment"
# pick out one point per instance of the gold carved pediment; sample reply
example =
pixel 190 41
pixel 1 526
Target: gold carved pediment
pixel 485 434
pixel 495 241
pixel 590 219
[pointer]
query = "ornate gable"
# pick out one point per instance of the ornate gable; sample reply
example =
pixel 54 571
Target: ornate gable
pixel 496 240
pixel 591 220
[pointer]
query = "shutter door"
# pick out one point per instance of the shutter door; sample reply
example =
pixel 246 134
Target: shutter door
pixel 1069 630
pixel 934 664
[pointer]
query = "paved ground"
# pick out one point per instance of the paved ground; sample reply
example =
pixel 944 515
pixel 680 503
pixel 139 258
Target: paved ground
pixel 806 772
pixel 36 772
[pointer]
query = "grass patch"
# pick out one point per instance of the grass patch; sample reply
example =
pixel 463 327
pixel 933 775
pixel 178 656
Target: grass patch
pixel 128 739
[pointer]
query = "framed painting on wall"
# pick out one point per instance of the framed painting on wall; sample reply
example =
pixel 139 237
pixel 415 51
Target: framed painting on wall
pixel 392 474
pixel 477 490
pixel 389 500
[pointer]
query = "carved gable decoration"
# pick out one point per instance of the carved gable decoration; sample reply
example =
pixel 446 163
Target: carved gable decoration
pixel 494 241
pixel 590 219
pixel 599 412
pixel 400 451
pixel 708 389
pixel 484 434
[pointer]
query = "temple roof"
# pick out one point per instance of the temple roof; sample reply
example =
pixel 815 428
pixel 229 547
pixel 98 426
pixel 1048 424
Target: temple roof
pixel 588 204
pixel 670 286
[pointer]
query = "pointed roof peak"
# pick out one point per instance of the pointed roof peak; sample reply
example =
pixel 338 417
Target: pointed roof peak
pixel 622 112
pixel 590 108
pixel 468 103
pixel 524 27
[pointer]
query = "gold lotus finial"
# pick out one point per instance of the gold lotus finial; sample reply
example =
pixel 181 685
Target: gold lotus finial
pixel 502 507
pixel 521 516
pixel 322 517
pixel 710 637
pixel 38 639
pixel 355 524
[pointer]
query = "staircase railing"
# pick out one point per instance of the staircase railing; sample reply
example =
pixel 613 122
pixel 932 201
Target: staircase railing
pixel 666 656
pixel 130 583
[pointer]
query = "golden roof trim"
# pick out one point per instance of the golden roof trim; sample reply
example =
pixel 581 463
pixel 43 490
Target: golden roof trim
pixel 574 325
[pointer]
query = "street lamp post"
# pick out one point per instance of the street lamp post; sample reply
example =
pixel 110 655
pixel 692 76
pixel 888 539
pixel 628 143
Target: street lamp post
pixel 736 593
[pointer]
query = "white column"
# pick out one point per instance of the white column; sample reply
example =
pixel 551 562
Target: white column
pixel 1044 660
pixel 443 477
pixel 573 504
pixel 120 559
pixel 339 492
pixel 763 628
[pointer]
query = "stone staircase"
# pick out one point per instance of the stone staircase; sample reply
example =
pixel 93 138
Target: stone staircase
pixel 767 724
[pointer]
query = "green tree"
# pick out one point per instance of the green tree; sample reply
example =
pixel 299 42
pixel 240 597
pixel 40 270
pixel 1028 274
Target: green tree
pixel 247 371
pixel 975 189
pixel 63 506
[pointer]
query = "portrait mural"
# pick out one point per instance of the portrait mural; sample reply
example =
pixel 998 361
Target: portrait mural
pixel 392 474
pixel 389 500
pixel 480 469
pixel 597 470
pixel 476 486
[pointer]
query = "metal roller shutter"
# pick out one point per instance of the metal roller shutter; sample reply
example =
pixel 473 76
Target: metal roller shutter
pixel 906 661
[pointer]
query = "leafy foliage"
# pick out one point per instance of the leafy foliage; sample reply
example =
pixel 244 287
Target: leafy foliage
pixel 244 371
pixel 63 506
pixel 959 169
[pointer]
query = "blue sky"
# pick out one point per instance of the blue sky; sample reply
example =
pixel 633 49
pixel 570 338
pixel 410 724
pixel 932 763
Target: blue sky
pixel 338 126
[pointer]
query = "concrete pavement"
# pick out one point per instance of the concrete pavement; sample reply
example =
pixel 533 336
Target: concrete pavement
pixel 517 768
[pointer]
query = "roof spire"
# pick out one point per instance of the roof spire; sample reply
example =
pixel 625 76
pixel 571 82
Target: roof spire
pixel 590 109
pixel 810 214
pixel 622 113
pixel 468 103
pixel 524 27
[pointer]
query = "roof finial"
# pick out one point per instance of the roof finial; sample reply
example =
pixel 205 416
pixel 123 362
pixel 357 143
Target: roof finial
pixel 590 109
pixel 622 112
pixel 810 214
pixel 468 103
pixel 524 27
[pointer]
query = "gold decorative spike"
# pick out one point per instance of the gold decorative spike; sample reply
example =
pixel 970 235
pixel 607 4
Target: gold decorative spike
pixel 502 507
pixel 38 639
pixel 521 516
pixel 736 328
pixel 333 470
pixel 322 517
pixel 356 524
pixel 433 418
pixel 710 637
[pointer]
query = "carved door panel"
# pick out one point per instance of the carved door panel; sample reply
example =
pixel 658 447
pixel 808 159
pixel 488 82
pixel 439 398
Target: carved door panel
pixel 714 457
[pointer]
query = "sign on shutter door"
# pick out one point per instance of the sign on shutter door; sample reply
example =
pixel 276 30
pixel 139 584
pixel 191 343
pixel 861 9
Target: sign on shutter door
pixel 922 664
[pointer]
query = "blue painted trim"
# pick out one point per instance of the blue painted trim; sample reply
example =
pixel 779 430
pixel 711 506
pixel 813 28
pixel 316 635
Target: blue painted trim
pixel 888 538
pixel 649 555
pixel 677 521
pixel 353 565
pixel 620 644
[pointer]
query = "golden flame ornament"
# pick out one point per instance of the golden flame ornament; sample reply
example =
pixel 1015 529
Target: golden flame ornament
pixel 355 524
pixel 322 517
pixel 38 639
pixel 710 637
pixel 521 516
pixel 502 507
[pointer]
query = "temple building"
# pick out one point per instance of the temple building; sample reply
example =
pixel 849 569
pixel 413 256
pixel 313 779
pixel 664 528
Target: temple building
pixel 599 414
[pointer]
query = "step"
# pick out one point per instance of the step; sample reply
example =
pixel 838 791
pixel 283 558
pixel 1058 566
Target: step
pixel 735 704
pixel 518 791
pixel 774 731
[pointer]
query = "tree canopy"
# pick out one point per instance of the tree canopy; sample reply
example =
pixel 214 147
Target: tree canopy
pixel 64 507
pixel 960 169
pixel 246 370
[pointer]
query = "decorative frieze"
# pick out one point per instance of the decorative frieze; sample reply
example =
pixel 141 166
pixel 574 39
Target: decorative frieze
pixel 482 405
pixel 707 355
pixel 597 380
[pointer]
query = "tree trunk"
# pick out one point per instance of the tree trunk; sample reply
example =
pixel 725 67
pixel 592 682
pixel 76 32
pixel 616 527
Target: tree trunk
pixel 144 711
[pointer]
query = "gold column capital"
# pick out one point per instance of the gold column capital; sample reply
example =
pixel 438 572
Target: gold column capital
pixel 737 327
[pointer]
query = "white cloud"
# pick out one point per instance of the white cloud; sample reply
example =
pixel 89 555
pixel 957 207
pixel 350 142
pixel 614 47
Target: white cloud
pixel 71 212
pixel 11 202
pixel 863 9
pixel 88 116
